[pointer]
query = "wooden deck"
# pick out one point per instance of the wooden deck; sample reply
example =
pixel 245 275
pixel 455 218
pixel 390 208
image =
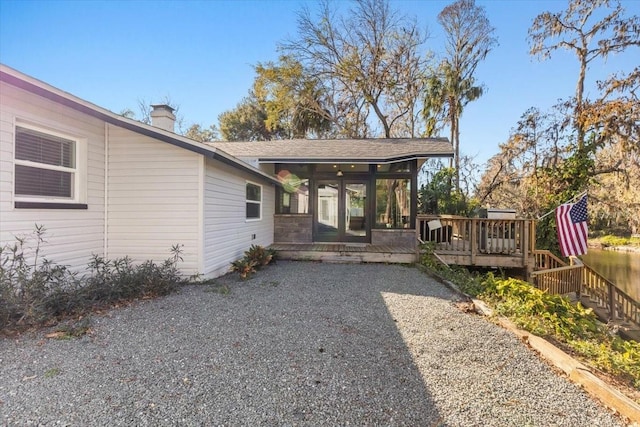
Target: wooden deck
pixel 345 252
pixel 482 242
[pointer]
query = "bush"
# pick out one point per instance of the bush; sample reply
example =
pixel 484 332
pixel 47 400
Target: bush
pixel 254 258
pixel 550 316
pixel 578 328
pixel 619 241
pixel 34 291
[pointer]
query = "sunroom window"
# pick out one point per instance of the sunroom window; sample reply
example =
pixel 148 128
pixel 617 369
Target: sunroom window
pixel 45 166
pixel 393 203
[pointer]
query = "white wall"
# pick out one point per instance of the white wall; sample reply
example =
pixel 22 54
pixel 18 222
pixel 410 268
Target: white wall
pixel 72 235
pixel 153 199
pixel 227 232
pixel 158 195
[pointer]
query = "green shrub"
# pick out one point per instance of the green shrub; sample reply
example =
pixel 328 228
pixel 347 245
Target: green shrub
pixel 35 291
pixel 555 317
pixel 254 258
pixel 244 266
pixel 539 312
pixel 619 241
pixel 470 284
pixel 550 316
pixel 260 255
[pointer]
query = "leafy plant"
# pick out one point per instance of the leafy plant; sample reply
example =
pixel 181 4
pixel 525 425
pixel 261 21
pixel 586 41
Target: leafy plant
pixel 260 255
pixel 254 258
pixel 244 266
pixel 571 324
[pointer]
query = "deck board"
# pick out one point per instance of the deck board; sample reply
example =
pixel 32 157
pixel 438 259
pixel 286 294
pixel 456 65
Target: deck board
pixel 345 252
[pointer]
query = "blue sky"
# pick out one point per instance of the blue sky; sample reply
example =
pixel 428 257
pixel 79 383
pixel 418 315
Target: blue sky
pixel 200 55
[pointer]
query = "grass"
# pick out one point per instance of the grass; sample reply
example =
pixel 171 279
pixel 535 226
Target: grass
pixel 612 241
pixel 52 373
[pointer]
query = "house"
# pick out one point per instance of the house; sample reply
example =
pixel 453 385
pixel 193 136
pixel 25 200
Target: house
pixel 343 190
pixel 104 184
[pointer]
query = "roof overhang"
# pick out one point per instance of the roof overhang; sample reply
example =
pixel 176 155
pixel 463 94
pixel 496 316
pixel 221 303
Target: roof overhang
pixel 37 87
pixel 355 151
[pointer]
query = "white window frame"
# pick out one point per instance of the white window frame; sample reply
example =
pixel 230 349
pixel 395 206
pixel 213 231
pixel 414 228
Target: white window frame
pixel 256 202
pixel 78 171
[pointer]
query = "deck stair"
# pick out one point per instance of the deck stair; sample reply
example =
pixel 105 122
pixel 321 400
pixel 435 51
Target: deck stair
pixel 345 252
pixel 610 303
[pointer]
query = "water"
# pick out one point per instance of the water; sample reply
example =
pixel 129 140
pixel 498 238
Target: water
pixel 621 268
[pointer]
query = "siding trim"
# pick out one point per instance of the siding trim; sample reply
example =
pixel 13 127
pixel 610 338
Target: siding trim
pixel 49 205
pixel 201 177
pixel 105 244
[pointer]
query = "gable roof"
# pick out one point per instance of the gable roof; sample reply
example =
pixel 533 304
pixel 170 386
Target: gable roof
pixel 333 150
pixel 35 86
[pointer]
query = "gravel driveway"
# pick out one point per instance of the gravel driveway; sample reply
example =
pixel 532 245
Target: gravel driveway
pixel 299 344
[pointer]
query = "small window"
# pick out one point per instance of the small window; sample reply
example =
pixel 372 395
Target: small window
pixel 394 167
pixel 45 166
pixel 254 201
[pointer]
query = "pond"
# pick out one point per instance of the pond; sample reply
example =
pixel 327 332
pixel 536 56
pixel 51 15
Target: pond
pixel 621 268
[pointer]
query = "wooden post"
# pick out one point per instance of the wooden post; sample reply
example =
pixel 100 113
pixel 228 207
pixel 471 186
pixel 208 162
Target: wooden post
pixel 612 302
pixel 525 249
pixel 474 241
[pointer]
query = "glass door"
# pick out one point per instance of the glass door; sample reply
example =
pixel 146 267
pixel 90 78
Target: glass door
pixel 355 199
pixel 341 211
pixel 327 218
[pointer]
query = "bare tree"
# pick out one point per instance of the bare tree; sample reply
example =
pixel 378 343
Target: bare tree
pixel 576 31
pixel 367 61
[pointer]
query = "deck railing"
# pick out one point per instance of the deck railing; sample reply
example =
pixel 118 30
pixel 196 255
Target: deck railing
pixel 487 242
pixel 607 295
pixel 585 282
pixel 546 260
pixel 561 280
pixel 453 234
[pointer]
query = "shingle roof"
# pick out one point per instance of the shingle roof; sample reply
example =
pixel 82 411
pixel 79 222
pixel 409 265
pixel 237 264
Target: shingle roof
pixel 329 150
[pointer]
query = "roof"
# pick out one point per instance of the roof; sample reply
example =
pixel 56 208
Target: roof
pixel 30 84
pixel 332 150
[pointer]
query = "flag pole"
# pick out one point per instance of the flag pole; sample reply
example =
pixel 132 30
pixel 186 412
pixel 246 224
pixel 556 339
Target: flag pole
pixel 569 201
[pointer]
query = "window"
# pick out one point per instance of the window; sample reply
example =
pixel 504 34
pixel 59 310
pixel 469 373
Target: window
pixel 293 196
pixel 395 167
pixel 393 203
pixel 254 201
pixel 46 167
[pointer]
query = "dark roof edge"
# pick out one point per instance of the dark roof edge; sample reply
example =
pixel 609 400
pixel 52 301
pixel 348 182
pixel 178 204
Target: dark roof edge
pixel 129 124
pixel 351 160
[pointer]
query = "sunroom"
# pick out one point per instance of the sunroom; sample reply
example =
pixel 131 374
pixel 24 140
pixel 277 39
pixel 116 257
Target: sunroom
pixel 356 191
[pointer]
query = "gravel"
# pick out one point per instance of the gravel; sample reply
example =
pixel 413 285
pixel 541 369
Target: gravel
pixel 298 344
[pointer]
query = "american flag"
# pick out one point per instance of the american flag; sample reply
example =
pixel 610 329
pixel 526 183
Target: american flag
pixel 571 220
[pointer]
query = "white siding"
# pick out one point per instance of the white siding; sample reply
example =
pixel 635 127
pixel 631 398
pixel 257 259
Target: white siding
pixel 227 234
pixel 72 235
pixel 153 200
